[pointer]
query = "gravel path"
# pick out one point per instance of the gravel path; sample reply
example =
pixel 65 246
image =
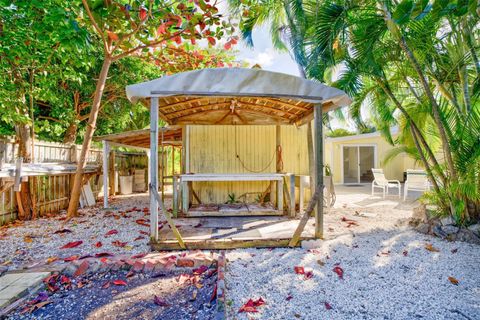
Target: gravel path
pixel 135 300
pixel 34 242
pixel 388 271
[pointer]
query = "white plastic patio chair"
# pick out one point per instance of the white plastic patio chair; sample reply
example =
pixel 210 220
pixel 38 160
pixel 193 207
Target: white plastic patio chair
pixel 417 180
pixel 381 182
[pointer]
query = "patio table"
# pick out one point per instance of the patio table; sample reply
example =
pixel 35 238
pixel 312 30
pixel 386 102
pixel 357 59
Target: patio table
pixel 186 179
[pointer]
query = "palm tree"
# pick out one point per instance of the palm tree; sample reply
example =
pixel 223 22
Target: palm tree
pixel 412 65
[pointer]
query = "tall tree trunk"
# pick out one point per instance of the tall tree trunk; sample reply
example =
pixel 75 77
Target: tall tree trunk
pixel 24 199
pixel 71 133
pixel 87 141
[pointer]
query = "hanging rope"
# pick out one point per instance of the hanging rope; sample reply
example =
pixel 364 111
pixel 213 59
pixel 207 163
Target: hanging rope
pixel 278 152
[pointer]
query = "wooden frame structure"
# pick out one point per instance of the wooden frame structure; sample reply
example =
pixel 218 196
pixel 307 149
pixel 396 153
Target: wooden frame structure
pixel 236 96
pixel 139 139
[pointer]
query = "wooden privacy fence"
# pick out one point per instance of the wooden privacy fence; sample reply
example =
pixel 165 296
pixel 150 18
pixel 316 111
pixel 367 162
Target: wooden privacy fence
pixel 50 193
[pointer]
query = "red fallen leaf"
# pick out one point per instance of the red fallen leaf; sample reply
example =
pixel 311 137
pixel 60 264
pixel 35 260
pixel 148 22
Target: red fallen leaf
pixel 200 270
pixel 288 298
pixel 327 305
pixel 111 232
pixel 119 282
pixel 120 244
pixel 139 256
pixel 104 260
pixel 299 270
pixel 65 280
pixel 405 253
pixel 142 222
pixel 85 256
pixel 82 268
pixel 160 302
pixel 251 305
pixel 72 244
pixel 454 250
pixel 138 238
pixel 63 231
pixel 308 274
pixel 130 274
pixel 106 285
pixel 98 244
pixel 144 233
pixel 71 258
pixel 214 294
pixel 103 254
pixel 338 271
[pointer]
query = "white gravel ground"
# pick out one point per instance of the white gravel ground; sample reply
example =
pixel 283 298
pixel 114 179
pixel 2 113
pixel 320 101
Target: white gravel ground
pixel 90 227
pixel 388 272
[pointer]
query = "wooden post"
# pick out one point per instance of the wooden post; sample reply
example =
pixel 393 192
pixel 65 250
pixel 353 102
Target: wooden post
pixel 162 170
pixel 278 164
pixel 292 194
pixel 106 150
pixel 153 186
pixel 311 160
pixel 318 170
pixel 18 175
pixel 112 180
pixel 175 196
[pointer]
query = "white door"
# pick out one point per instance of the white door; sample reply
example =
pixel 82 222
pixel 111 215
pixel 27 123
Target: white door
pixel 357 164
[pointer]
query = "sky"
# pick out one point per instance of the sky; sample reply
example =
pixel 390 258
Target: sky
pixel 265 55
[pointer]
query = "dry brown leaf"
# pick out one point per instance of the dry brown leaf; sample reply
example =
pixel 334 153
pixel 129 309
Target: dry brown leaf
pixel 431 248
pixel 321 263
pixel 453 280
pixel 27 239
pixel 51 259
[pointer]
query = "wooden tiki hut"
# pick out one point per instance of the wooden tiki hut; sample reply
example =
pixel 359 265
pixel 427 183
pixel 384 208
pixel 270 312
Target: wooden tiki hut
pixel 233 97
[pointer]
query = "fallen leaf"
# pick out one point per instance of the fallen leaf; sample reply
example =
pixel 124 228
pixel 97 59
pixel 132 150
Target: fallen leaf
pixel 431 248
pixel 82 268
pixel 138 238
pixel 63 231
pixel 51 259
pixel 144 232
pixel 327 305
pixel 106 285
pixel 119 282
pixel 72 244
pixel 200 270
pixel 142 222
pixel 111 232
pixel 288 298
pixel 454 250
pixel 405 253
pixel 71 258
pixel 251 305
pixel 160 302
pixel 120 244
pixel 453 280
pixel 27 239
pixel 299 270
pixel 103 254
pixel 139 256
pixel 338 270
pixel 98 244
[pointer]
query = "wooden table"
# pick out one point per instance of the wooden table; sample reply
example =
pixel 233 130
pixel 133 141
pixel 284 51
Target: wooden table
pixel 186 179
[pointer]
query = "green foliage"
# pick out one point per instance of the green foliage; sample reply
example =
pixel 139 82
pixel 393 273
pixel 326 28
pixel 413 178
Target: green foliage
pixel 340 132
pixel 415 65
